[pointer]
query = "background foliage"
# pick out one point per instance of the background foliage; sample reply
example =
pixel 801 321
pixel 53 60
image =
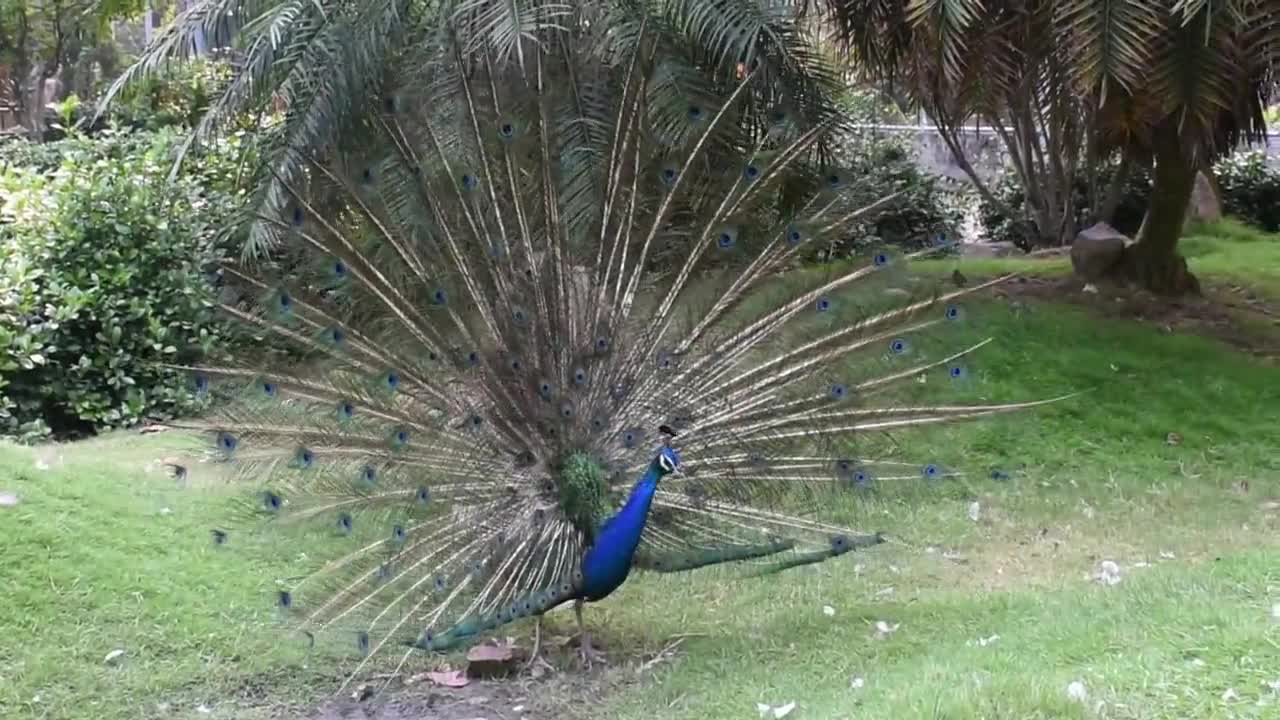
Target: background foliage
pixel 103 265
pixel 1018 229
pixel 1250 189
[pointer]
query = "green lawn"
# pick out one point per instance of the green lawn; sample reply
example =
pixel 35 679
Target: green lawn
pixel 107 552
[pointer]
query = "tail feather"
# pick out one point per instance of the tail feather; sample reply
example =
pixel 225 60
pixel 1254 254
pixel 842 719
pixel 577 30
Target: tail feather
pixel 513 283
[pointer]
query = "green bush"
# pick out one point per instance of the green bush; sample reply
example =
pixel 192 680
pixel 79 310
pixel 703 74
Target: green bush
pixel 922 212
pixel 1250 189
pixel 102 279
pixel 179 96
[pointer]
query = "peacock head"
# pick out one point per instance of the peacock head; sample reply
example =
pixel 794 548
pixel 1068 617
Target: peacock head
pixel 667 461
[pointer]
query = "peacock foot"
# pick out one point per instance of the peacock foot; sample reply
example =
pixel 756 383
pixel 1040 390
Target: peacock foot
pixel 589 654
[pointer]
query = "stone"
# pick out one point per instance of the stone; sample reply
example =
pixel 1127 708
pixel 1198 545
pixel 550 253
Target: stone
pixel 1205 204
pixel 1003 248
pixel 1096 250
pixel 491 661
pixel 114 657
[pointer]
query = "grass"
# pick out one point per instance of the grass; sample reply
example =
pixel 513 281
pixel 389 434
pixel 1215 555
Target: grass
pixel 1225 250
pixel 1231 250
pixel 1095 479
pixel 106 553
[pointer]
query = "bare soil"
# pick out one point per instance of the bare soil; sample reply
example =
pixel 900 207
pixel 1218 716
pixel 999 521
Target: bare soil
pixel 1232 314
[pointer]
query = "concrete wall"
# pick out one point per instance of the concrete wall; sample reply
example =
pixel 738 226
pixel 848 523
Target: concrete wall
pixel 985 151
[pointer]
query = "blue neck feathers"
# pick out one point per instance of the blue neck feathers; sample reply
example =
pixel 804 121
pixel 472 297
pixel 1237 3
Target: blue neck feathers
pixel 608 562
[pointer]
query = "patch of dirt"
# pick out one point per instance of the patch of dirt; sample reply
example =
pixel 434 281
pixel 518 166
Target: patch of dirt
pixel 1231 314
pixel 521 698
pixel 559 689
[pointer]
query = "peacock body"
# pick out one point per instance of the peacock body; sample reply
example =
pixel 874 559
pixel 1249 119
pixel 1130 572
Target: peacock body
pixel 523 335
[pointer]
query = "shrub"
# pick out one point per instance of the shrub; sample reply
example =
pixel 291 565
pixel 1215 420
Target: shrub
pixel 1250 189
pixel 102 279
pixel 1021 232
pixel 923 210
pixel 178 96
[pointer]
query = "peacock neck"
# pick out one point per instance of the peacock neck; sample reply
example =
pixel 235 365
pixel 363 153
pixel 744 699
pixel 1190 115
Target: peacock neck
pixel 608 562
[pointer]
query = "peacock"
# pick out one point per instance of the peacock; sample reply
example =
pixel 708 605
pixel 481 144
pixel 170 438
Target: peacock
pixel 526 332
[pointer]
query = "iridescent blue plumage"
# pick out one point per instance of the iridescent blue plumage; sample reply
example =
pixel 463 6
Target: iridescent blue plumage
pixel 606 565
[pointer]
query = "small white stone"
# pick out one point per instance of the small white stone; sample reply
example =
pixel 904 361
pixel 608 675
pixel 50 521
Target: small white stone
pixel 828 611
pixel 1275 611
pixel 1108 573
pixel 518 709
pixel 975 510
pixel 857 683
pixel 1230 694
pixel 113 657
pixel 784 710
pixel 884 629
pixel 1077 692
pixel 204 709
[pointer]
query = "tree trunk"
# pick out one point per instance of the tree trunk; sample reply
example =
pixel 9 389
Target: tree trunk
pixel 1153 262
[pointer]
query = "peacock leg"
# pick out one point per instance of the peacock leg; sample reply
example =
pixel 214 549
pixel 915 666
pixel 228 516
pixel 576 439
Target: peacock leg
pixel 537 642
pixel 584 638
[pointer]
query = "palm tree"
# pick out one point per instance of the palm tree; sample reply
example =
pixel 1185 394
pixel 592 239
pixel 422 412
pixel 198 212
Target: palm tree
pixel 1177 81
pixel 323 61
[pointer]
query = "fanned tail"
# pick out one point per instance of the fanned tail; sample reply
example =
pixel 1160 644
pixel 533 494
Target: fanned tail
pixel 511 285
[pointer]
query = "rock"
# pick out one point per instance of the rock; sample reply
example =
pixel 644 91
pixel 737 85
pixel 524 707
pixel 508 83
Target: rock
pixel 1205 205
pixel 1003 248
pixel 8 499
pixel 489 661
pixel 114 657
pixel 1096 250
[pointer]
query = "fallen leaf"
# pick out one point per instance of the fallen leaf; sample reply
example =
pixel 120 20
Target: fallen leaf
pixel 450 678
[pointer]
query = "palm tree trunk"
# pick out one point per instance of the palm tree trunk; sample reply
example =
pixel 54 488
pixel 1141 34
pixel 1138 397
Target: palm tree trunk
pixel 1153 262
